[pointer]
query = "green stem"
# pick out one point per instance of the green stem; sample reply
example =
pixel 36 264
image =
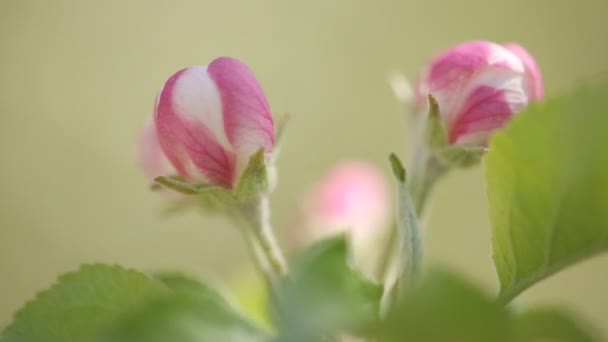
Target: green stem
pixel 425 172
pixel 265 250
pixel 388 255
pixel 267 240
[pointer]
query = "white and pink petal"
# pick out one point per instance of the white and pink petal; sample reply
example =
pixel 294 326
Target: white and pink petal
pixel 150 156
pixel 488 102
pixel 451 71
pixel 189 123
pixel 246 115
pixel 536 88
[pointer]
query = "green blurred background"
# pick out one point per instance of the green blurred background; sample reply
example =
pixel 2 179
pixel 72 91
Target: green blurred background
pixel 78 79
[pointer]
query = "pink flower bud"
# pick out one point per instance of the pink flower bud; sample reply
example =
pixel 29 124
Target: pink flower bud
pixel 210 119
pixel 350 198
pixel 479 85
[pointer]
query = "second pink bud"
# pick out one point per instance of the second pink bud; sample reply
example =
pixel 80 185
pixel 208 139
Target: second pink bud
pixel 479 85
pixel 351 198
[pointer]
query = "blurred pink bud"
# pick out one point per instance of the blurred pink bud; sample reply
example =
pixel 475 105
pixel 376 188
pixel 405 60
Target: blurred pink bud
pixel 479 85
pixel 351 197
pixel 210 119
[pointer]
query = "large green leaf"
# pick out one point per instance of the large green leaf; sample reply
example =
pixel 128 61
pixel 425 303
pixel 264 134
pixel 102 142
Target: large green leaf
pixel 324 295
pixel 193 312
pixel 551 325
pixel 445 308
pixel 179 282
pixel 547 179
pixel 81 304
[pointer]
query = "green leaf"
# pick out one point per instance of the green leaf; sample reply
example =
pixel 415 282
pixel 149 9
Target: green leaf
pixel 194 312
pixel 254 180
pixel 81 304
pixel 551 325
pixel 445 308
pixel 179 282
pixel 323 294
pixel 547 183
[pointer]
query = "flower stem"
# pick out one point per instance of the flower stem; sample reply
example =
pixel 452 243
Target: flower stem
pixel 425 172
pixel 265 250
pixel 268 242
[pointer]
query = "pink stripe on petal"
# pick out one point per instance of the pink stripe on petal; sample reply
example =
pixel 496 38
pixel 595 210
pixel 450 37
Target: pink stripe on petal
pixel 485 109
pixel 452 70
pixel 535 79
pixel 190 146
pixel 247 119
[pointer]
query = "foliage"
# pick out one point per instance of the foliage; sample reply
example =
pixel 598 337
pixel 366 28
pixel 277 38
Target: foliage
pixel 547 179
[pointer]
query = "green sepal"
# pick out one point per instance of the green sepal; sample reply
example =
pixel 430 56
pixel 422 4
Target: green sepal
pixel 209 198
pixel 435 132
pixel 436 136
pixel 178 184
pixel 460 156
pixel 254 180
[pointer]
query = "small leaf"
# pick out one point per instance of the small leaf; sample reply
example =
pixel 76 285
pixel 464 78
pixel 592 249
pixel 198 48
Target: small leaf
pixel 551 325
pixel 397 166
pixel 445 308
pixel 548 189
pixel 193 312
pixel 181 186
pixel 254 180
pixel 323 294
pixel 81 304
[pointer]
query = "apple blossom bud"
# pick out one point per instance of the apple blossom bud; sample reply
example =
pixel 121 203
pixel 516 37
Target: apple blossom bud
pixel 351 198
pixel 211 119
pixel 478 86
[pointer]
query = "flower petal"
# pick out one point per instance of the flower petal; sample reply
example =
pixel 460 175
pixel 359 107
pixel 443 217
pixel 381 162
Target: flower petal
pixel 489 100
pixel 189 125
pixel 535 79
pixel 246 115
pixel 452 70
pixel 150 155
